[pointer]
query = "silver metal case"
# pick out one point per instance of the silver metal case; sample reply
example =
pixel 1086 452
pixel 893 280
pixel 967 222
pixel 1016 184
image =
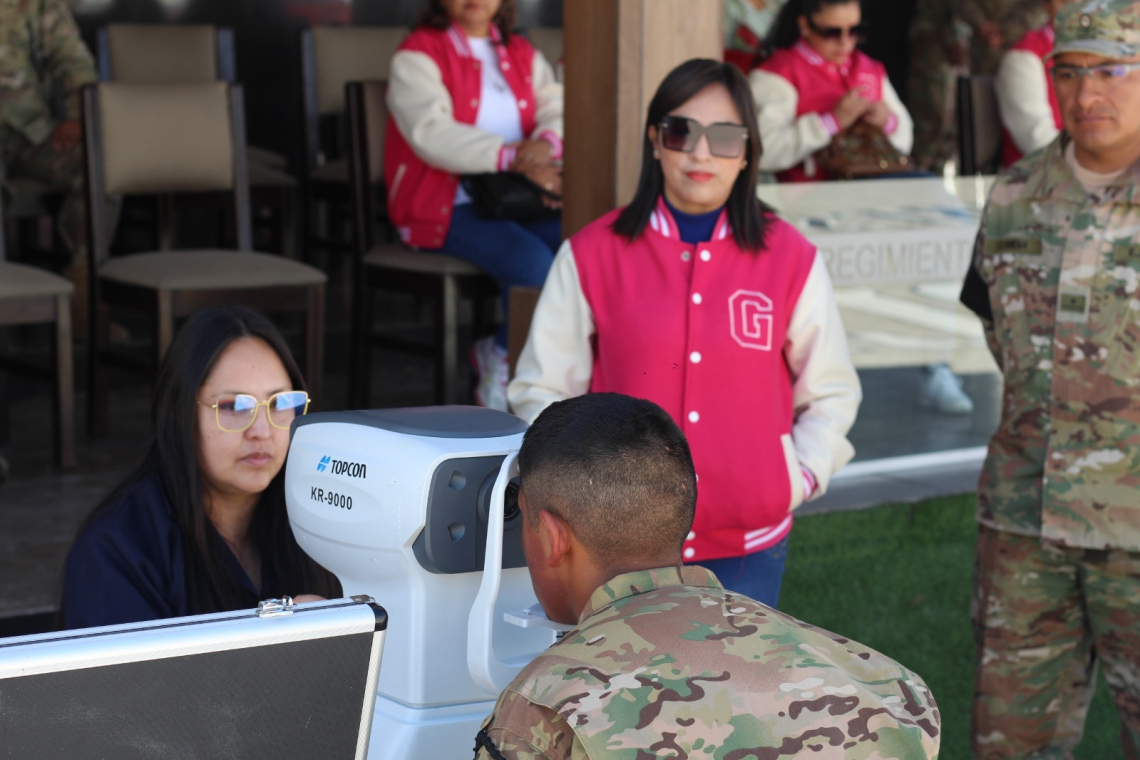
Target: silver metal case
pixel 284 681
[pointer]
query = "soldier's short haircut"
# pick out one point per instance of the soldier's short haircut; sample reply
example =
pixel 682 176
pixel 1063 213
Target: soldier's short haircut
pixel 616 469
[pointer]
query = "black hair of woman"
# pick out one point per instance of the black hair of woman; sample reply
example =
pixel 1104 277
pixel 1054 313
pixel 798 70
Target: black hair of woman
pixel 785 31
pixel 434 16
pixel 746 213
pixel 173 455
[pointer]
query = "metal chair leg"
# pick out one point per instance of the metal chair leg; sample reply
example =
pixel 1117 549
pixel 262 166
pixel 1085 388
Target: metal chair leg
pixel 447 326
pixel 64 384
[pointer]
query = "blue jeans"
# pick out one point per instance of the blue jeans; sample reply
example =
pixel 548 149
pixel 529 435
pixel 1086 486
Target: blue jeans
pixel 757 576
pixel 515 254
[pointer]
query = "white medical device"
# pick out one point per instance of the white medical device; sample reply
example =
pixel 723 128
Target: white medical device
pixel 412 507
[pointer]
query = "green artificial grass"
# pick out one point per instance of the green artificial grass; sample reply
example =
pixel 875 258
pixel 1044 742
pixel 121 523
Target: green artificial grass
pixel 897 578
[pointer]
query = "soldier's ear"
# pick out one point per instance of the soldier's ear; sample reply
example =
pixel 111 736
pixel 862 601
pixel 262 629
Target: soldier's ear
pixel 555 538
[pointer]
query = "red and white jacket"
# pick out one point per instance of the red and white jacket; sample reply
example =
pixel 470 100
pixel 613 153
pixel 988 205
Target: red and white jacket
pixel 796 90
pixel 433 98
pixel 745 351
pixel 1030 115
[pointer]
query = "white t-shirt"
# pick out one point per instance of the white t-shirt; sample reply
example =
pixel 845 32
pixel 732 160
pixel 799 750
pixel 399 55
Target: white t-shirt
pixel 498 110
pixel 1089 179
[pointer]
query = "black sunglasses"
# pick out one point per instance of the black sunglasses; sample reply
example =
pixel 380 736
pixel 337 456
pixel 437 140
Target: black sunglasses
pixel 682 134
pixel 857 32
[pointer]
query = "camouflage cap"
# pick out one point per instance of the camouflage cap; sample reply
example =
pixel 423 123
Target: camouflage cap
pixel 1099 27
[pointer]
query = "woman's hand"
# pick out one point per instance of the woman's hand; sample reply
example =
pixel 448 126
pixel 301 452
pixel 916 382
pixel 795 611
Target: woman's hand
pixel 850 109
pixel 878 115
pixel 302 598
pixel 532 155
pixel 549 178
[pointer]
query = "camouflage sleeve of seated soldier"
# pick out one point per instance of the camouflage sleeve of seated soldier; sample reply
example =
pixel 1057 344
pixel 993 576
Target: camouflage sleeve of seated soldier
pixel 521 730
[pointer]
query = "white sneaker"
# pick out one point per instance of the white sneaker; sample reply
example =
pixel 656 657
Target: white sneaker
pixel 942 390
pixel 490 361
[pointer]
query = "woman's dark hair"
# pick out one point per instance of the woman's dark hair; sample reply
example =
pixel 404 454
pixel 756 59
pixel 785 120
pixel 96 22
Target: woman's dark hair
pixel 746 213
pixel 785 31
pixel 173 457
pixel 434 16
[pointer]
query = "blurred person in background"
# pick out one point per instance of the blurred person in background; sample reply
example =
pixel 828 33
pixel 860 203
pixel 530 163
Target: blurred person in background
pixel 467 96
pixel 816 84
pixel 200 525
pixel 994 25
pixel 1029 112
pixel 697 297
pixel 939 54
pixel 44 55
pixel 746 24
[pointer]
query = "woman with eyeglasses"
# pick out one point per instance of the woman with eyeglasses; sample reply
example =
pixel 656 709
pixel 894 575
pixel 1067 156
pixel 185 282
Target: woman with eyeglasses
pixel 200 525
pixel 816 84
pixel 699 298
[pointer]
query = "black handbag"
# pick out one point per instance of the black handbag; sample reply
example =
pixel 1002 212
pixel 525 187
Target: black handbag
pixel 508 195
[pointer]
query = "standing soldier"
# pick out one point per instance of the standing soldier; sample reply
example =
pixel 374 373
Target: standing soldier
pixel 938 55
pixel 41 52
pixel 1055 277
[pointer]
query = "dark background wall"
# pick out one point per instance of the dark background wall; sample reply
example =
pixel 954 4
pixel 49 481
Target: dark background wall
pixel 266 33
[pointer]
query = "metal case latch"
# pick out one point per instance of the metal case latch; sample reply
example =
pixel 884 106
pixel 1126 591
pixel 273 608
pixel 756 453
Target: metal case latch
pixel 275 607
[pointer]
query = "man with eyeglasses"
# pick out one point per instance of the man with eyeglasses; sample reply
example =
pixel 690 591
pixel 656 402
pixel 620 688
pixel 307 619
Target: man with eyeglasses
pixel 1055 278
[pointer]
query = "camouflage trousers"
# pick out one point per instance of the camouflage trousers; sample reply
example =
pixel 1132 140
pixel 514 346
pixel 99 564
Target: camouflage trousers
pixel 1044 616
pixel 62 172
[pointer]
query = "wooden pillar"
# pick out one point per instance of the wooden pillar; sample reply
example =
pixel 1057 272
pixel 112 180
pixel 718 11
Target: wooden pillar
pixel 616 54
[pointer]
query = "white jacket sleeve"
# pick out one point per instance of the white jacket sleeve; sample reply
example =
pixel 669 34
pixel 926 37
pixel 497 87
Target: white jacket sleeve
pixel 421 106
pixel 1023 100
pixel 786 140
pixel 558 360
pixel 903 136
pixel 547 97
pixel 826 391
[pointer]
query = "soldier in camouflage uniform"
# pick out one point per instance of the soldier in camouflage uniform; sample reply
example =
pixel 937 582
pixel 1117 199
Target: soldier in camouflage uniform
pixel 663 661
pixel 40 49
pixel 1055 277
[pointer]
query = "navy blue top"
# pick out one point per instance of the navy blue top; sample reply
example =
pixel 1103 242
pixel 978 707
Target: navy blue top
pixel 129 566
pixel 694 228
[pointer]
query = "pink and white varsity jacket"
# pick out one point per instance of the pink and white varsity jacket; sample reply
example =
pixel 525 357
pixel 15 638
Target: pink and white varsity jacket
pixel 796 90
pixel 433 98
pixel 1030 114
pixel 746 351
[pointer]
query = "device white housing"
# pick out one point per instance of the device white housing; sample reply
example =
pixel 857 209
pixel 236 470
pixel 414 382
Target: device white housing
pixel 359 489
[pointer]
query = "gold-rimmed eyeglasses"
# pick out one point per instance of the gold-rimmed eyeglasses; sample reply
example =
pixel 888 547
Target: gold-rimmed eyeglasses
pixel 237 412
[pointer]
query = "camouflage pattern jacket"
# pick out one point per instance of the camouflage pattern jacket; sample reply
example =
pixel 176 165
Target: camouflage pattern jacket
pixel 666 662
pixel 39 46
pixel 1062 267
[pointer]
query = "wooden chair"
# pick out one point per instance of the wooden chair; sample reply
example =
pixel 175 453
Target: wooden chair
pixel 29 295
pixel 393 268
pixel 188 138
pixel 979 125
pixel 186 53
pixel 330 58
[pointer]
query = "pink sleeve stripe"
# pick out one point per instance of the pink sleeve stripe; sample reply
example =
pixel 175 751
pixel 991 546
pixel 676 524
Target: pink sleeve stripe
pixel 555 142
pixel 507 155
pixel 830 124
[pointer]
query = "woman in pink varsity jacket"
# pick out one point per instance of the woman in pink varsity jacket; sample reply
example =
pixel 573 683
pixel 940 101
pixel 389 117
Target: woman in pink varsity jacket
pixel 468 97
pixel 817 84
pixel 697 297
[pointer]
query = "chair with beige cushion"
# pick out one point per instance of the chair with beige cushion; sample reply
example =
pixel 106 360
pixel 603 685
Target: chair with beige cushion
pixel 29 295
pixel 186 138
pixel 186 53
pixel 332 56
pixel 392 268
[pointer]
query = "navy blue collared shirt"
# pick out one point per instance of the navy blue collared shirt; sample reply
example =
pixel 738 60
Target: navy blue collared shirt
pixel 129 564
